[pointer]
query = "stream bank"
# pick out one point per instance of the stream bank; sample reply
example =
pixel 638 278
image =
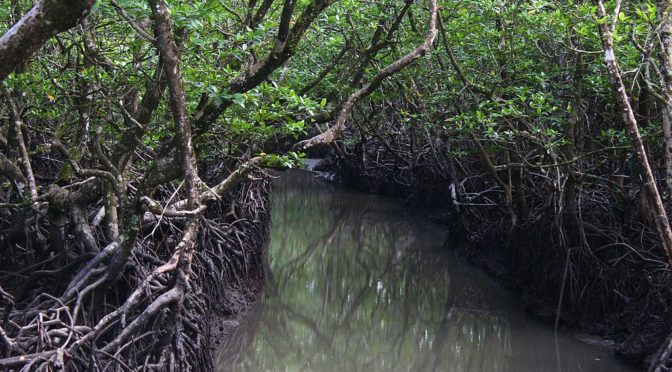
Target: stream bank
pixel 239 227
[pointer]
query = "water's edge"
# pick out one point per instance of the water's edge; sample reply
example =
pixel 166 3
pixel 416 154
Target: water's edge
pixel 248 332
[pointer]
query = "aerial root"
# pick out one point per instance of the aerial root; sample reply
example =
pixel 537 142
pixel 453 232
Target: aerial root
pixel 156 315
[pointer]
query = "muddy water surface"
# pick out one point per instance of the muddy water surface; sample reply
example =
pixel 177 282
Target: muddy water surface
pixel 356 284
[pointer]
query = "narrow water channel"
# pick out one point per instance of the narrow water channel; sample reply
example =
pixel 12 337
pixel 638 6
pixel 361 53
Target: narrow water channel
pixel 356 284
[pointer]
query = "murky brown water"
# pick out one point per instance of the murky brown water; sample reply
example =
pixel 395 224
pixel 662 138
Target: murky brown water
pixel 358 285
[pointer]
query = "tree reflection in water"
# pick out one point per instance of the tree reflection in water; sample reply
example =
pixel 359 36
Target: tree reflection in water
pixel 355 284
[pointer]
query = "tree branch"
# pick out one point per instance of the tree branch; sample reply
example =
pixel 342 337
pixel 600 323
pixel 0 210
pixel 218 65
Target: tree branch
pixel 337 130
pixel 44 20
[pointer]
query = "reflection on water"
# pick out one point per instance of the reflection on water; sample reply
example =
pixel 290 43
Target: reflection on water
pixel 357 285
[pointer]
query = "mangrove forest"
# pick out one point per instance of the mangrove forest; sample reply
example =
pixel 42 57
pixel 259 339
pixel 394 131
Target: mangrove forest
pixel 336 185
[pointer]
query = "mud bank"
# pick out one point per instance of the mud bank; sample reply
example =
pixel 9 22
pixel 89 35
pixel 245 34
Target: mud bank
pixel 241 263
pixel 619 288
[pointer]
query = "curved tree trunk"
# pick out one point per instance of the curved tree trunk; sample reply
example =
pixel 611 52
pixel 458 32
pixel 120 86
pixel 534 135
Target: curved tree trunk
pixel 650 188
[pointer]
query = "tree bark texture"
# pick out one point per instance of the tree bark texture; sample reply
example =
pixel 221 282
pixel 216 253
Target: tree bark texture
pixel 44 20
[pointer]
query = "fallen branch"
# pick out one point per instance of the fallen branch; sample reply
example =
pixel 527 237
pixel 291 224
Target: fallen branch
pixel 212 194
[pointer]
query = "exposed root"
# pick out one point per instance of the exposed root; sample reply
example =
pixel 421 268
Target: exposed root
pixel 617 279
pixel 156 316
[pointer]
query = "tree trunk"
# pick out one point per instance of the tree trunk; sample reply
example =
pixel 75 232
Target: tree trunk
pixel 570 135
pixel 649 188
pixel 665 55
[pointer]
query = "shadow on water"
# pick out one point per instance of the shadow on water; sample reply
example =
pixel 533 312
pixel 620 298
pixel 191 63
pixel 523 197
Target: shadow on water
pixel 355 284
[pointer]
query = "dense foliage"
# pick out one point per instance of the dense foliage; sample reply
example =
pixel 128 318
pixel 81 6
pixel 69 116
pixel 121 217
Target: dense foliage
pixel 132 139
